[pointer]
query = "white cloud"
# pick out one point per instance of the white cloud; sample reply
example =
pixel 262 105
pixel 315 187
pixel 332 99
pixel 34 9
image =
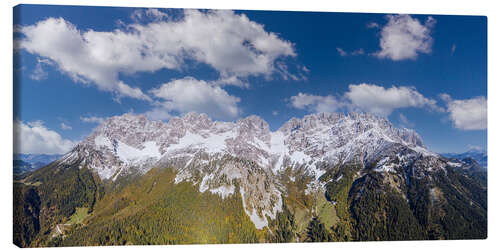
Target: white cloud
pixel 381 101
pixel 368 98
pixel 87 57
pixel 403 37
pixel 341 51
pixel 35 138
pixel 316 103
pixel 233 45
pixel 282 69
pixel 275 113
pixel 305 69
pixel 358 52
pixel 404 121
pixel 39 73
pixel 475 147
pixel 92 119
pixel 159 113
pixel 372 25
pixel 468 114
pixel 445 97
pixel 64 126
pixel 153 14
pixel 453 48
pixel 189 94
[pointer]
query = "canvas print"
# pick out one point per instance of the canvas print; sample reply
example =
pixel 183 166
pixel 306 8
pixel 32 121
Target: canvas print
pixel 141 126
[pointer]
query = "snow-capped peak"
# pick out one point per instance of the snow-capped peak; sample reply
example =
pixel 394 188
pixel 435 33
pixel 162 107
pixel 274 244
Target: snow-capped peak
pixel 129 140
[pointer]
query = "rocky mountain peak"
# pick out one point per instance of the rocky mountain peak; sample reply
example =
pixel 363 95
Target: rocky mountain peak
pixel 131 129
pixel 253 125
pixel 132 139
pixel 197 121
pixel 254 122
pixel 411 136
pixel 351 125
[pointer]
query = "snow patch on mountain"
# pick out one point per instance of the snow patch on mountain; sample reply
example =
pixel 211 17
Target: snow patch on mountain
pixel 204 183
pixel 339 178
pixel 300 157
pixel 224 191
pixel 258 221
pixel 108 172
pixel 454 164
pixel 212 143
pixel 278 147
pixel 102 141
pixel 132 155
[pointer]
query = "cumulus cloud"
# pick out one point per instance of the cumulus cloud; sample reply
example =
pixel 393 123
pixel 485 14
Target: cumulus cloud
pixel 382 101
pixel 65 126
pixel 468 114
pixel 366 97
pixel 35 138
pixel 92 119
pixel 189 94
pixel 315 103
pixel 404 37
pixel 88 57
pixel 149 14
pixel 230 43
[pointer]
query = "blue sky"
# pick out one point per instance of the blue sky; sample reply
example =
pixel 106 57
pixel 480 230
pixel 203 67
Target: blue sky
pixel 75 66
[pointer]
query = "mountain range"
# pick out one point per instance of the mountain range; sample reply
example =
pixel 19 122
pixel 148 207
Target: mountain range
pixel 478 155
pixel 24 163
pixel 325 177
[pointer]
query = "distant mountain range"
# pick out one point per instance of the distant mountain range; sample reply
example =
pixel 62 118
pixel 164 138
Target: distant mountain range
pixel 324 177
pixel 24 163
pixel 480 156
